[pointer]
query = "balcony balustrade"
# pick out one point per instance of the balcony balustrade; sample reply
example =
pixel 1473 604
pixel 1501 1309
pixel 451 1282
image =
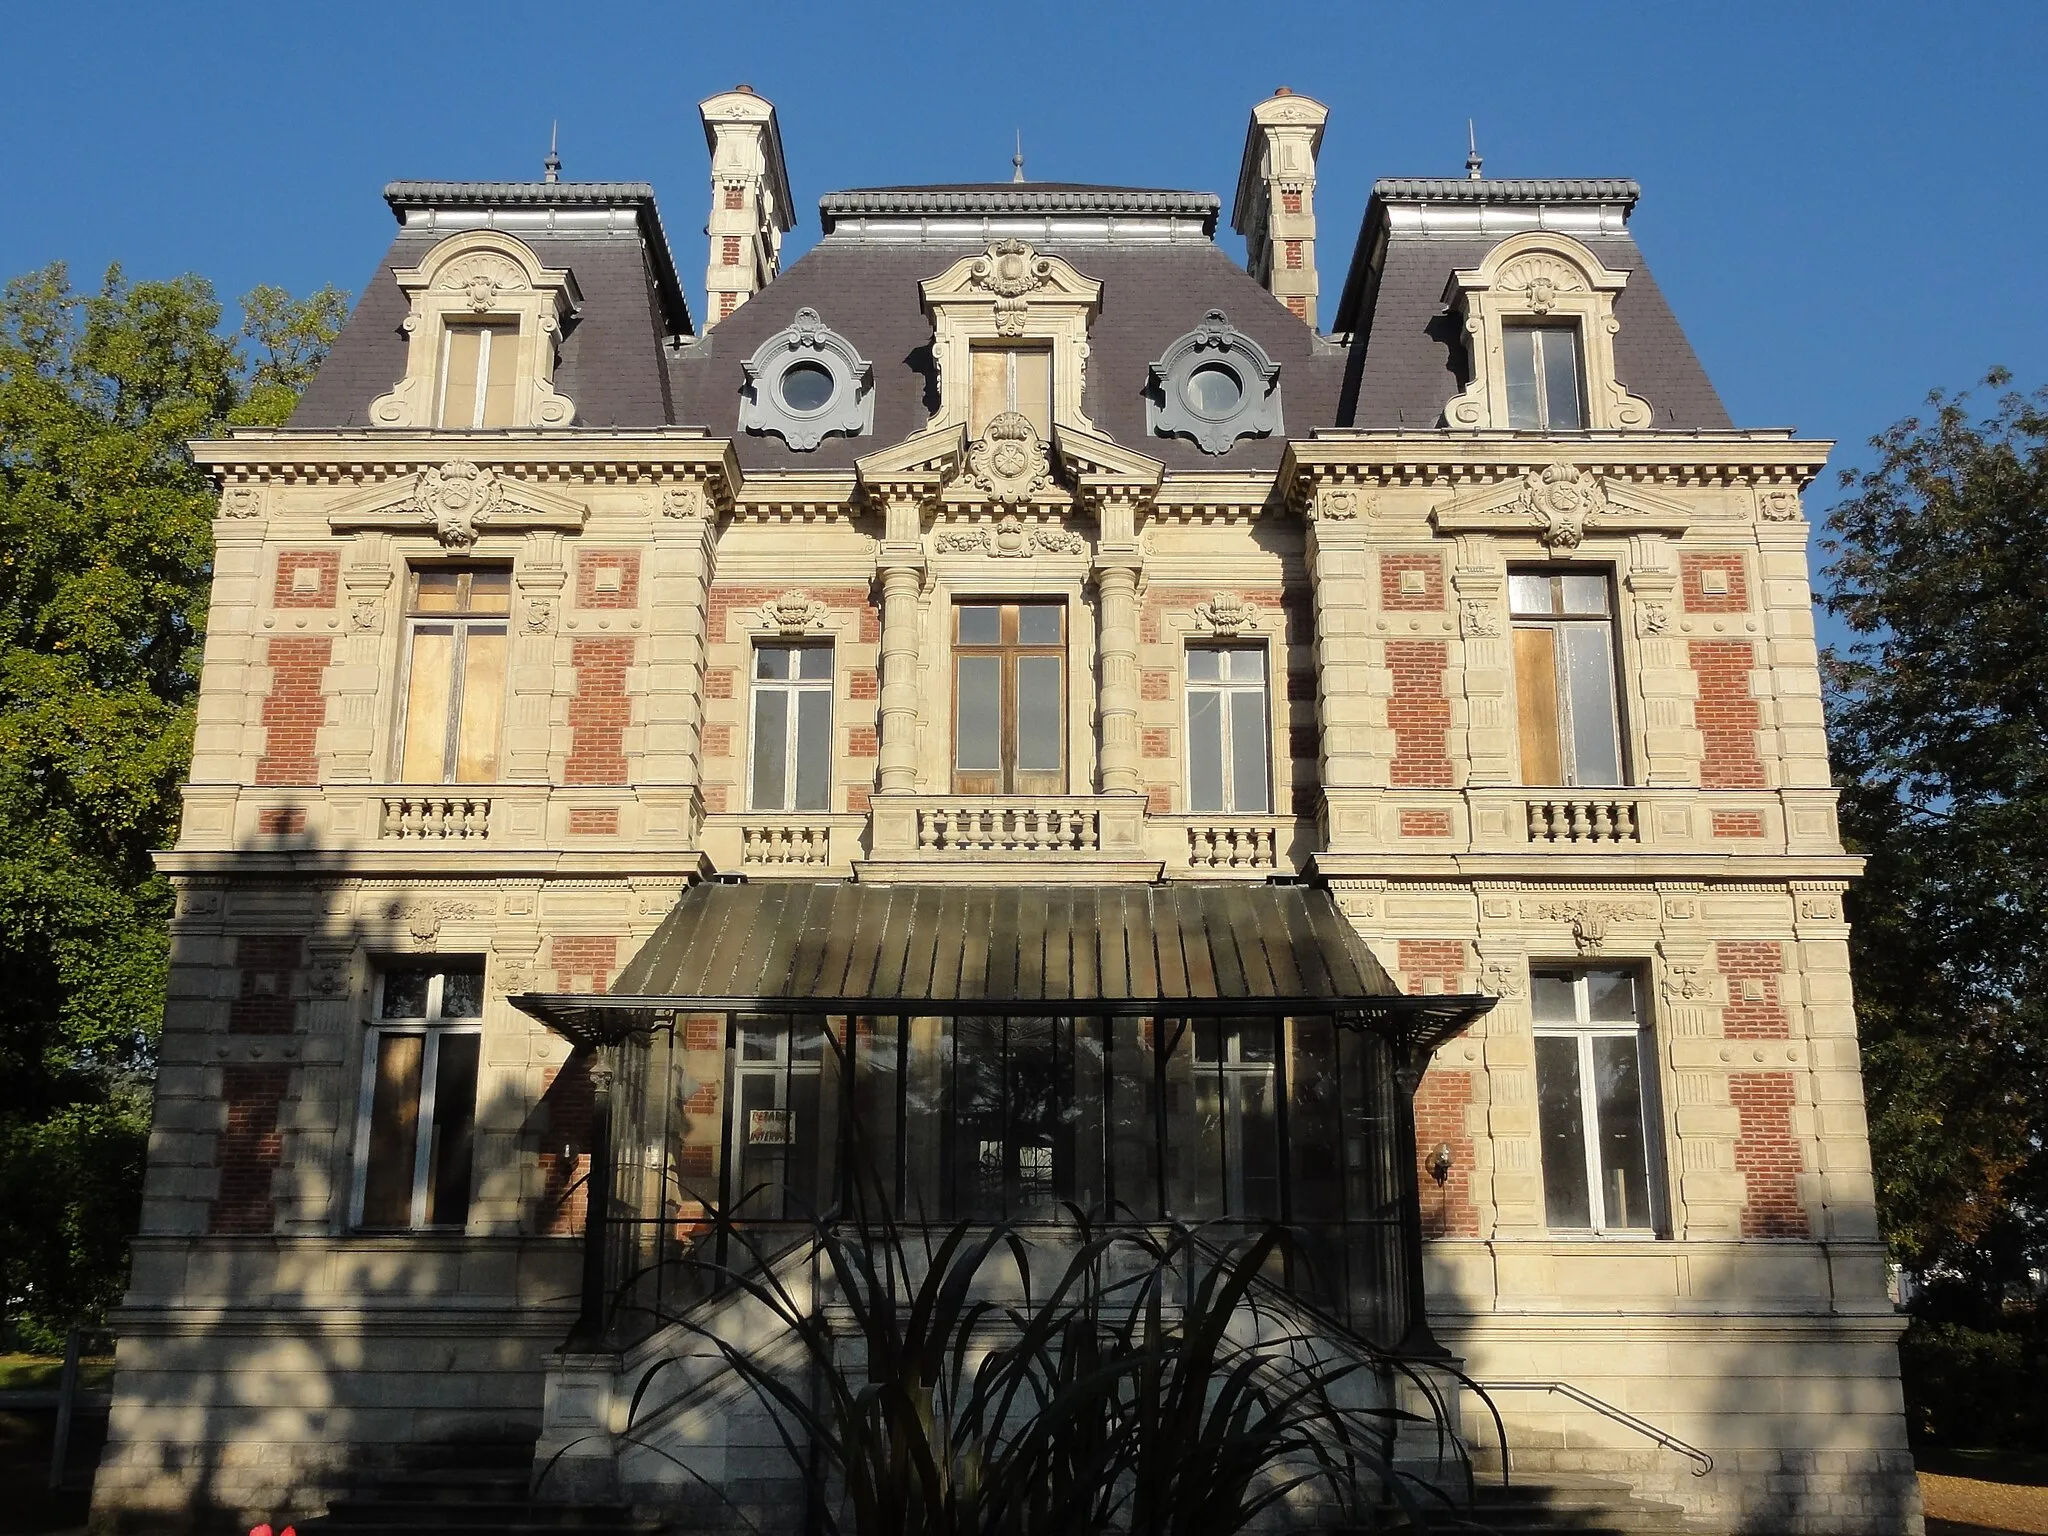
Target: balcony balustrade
pixel 1597 820
pixel 436 818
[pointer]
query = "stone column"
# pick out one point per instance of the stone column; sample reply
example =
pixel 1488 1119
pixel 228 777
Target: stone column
pixel 901 568
pixel 1116 636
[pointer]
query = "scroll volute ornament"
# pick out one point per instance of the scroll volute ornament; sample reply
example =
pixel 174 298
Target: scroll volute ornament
pixel 482 275
pixel 1550 279
pixel 1010 461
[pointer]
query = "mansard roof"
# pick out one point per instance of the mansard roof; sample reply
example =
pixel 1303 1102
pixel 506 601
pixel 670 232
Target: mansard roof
pixel 1407 356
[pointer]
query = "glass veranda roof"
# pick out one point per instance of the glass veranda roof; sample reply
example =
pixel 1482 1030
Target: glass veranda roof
pixel 1181 948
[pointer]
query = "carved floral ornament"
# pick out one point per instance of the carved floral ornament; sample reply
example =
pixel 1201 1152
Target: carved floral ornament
pixel 1560 503
pixel 1590 920
pixel 1010 462
pixel 457 502
pixel 1008 539
pixel 1778 504
pixel 793 613
pixel 1226 614
pixel 1343 504
pixel 1559 498
pixel 1010 270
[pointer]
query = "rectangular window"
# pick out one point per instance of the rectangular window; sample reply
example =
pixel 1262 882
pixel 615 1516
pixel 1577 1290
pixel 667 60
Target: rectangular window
pixel 477 372
pixel 784 1122
pixel 1543 377
pixel 1009 698
pixel 416 1131
pixel 792 746
pixel 1011 379
pixel 1228 749
pixel 1566 700
pixel 455 673
pixel 1595 1101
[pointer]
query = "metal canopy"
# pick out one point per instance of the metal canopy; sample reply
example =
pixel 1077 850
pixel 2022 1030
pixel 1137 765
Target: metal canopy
pixel 1176 949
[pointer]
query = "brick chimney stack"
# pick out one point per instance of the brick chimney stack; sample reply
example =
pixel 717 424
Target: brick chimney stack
pixel 750 203
pixel 1275 209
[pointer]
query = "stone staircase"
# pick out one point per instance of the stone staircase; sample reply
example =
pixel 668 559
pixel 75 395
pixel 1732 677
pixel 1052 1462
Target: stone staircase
pixel 1567 1504
pixel 469 1488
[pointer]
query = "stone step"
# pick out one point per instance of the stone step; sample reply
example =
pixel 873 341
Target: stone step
pixel 384 1513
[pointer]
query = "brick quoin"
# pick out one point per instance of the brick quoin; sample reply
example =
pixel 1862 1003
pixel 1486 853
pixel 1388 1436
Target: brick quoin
pixel 599 713
pixel 1767 1154
pixel 1290 202
pixel 1440 1118
pixel 1424 961
pixel 1298 307
pixel 282 823
pixel 325 563
pixel 721 683
pixel 718 741
pixel 590 821
pixel 722 600
pixel 1692 570
pixel 704 1101
pixel 568 1098
pixel 248 1150
pixel 863 683
pixel 1155 685
pixel 1419 714
pixel 590 562
pixel 861 741
pixel 263 1002
pixel 1727 715
pixel 295 709
pixel 1429 600
pixel 581 958
pixel 698 1162
pixel 1755 1010
pixel 1738 823
pixel 1425 823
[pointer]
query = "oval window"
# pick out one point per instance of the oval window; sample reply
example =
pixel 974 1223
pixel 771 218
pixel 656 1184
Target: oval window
pixel 1214 390
pixel 806 387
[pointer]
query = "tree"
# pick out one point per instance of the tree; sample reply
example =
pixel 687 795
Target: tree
pixel 1939 728
pixel 105 551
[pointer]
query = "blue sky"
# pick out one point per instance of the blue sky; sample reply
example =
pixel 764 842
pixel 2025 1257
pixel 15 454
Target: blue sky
pixel 1845 203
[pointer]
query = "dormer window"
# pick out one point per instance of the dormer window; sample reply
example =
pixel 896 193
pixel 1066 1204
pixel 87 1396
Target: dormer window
pixel 1011 379
pixel 479 367
pixel 1543 378
pixel 1214 386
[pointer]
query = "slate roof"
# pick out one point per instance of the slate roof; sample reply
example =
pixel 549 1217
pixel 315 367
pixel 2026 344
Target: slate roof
pixel 1017 197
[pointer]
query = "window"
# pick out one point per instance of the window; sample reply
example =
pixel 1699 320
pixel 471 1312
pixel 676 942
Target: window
pixel 1227 735
pixel 1543 377
pixel 1231 1152
pixel 478 364
pixel 1009 698
pixel 1011 379
pixel 784 1143
pixel 455 674
pixel 1595 1101
pixel 417 1130
pixel 1564 677
pixel 792 748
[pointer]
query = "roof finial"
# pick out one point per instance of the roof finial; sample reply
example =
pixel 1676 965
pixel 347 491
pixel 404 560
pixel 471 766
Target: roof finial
pixel 1018 159
pixel 551 168
pixel 1472 160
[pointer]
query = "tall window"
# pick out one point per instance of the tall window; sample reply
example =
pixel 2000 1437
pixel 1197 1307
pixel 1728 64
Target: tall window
pixel 1011 379
pixel 1595 1101
pixel 1235 1148
pixel 455 674
pixel 1228 755
pixel 417 1128
pixel 1564 677
pixel 1543 377
pixel 1009 698
pixel 781 1114
pixel 792 747
pixel 477 363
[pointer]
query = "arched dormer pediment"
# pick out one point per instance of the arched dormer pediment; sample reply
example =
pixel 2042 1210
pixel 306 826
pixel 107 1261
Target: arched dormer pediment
pixel 483 322
pixel 1539 302
pixel 1011 299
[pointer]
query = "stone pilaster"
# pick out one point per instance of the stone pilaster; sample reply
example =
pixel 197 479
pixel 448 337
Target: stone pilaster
pixel 680 570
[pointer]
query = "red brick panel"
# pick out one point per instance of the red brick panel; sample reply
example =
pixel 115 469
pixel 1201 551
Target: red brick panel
pixel 619 567
pixel 857 802
pixel 325 564
pixel 599 713
pixel 1392 594
pixel 1767 1154
pixel 863 683
pixel 1692 585
pixel 568 1098
pixel 1440 1120
pixel 1159 799
pixel 1155 742
pixel 295 709
pixel 281 823
pixel 704 1032
pixel 249 1149
pixel 594 821
pixel 1755 1008
pixel 716 798
pixel 718 741
pixel 721 683
pixel 1442 961
pixel 583 963
pixel 1425 823
pixel 1419 714
pixel 263 999
pixel 1738 823
pixel 1727 714
pixel 1155 685
pixel 861 741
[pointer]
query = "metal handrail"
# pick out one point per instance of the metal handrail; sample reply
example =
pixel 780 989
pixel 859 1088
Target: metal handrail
pixel 1702 1463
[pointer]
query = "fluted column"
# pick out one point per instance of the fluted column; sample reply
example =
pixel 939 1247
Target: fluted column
pixel 899 677
pixel 1116 586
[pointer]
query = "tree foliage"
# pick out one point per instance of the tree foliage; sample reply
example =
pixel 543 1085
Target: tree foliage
pixel 1939 728
pixel 105 550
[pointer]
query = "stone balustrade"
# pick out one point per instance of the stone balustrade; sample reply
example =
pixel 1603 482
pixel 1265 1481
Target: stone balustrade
pixel 436 818
pixel 785 842
pixel 1001 824
pixel 1234 845
pixel 1595 820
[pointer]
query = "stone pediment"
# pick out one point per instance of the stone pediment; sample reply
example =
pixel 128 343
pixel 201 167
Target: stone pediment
pixel 919 463
pixel 457 502
pixel 1091 459
pixel 1559 504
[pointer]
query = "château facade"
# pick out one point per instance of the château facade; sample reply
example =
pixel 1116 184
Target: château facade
pixel 1017 638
